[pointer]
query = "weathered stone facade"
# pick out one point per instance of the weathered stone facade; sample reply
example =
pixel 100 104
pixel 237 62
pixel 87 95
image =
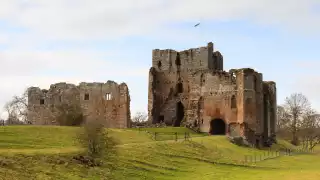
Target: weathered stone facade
pixel 116 101
pixel 191 87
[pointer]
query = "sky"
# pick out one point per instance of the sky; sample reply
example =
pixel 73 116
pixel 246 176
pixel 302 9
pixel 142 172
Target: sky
pixel 48 41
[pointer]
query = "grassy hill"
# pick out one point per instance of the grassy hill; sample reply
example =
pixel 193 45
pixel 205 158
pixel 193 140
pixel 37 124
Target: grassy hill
pixel 45 152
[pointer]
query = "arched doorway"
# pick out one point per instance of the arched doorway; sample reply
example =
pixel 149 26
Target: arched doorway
pixel 217 127
pixel 179 114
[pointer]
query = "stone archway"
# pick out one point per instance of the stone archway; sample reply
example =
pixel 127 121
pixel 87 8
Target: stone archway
pixel 217 127
pixel 179 114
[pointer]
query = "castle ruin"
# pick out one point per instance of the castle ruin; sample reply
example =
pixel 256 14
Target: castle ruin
pixel 116 97
pixel 191 87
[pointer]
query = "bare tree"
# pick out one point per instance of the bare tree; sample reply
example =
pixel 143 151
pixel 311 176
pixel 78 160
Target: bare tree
pixel 283 119
pixel 17 108
pixel 296 106
pixel 139 118
pixel 310 130
pixel 13 117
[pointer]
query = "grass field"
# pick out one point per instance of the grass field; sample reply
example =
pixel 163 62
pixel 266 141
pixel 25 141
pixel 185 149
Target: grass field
pixel 35 152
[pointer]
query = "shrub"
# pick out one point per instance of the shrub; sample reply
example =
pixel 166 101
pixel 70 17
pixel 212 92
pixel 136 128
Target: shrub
pixel 238 140
pixel 96 140
pixel 69 115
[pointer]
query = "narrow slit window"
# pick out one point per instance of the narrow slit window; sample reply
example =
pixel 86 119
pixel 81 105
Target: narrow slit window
pixel 233 102
pixel 86 96
pixel 179 87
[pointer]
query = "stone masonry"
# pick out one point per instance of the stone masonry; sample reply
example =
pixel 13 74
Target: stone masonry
pixel 191 87
pixel 85 95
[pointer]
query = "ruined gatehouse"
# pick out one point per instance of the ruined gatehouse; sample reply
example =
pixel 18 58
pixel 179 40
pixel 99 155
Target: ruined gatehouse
pixel 191 87
pixel 115 96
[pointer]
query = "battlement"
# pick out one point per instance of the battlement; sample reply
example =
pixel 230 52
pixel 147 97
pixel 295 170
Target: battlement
pixel 96 84
pixel 35 93
pixel 193 58
pixel 163 52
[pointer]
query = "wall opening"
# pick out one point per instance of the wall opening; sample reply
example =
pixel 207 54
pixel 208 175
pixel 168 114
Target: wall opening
pixel 202 80
pixel 41 101
pixel 217 127
pixel 161 119
pixel 179 87
pixel 107 96
pixel 178 61
pixel 179 114
pixel 255 85
pixel 60 98
pixel 233 102
pixel 86 96
pixel 159 64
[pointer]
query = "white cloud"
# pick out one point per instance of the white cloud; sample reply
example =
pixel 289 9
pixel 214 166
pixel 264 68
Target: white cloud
pixel 74 20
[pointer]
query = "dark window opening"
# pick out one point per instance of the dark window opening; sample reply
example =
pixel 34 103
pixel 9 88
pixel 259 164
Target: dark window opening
pixel 255 85
pixel 86 96
pixel 217 127
pixel 178 61
pixel 233 102
pixel 179 88
pixel 195 123
pixel 161 119
pixel 159 64
pixel 60 98
pixel 201 121
pixel 202 80
pixel 41 101
pixel 179 114
pixel 200 103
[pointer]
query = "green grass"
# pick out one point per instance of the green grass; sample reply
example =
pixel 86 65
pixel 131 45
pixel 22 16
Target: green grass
pixel 36 152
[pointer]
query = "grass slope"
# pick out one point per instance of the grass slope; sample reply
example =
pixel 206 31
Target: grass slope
pixel 44 152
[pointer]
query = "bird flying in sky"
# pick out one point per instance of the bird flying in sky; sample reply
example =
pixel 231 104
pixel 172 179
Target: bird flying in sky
pixel 197 25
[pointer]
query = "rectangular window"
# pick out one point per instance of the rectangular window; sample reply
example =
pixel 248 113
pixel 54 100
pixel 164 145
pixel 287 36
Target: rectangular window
pixel 41 101
pixel 107 96
pixel 86 96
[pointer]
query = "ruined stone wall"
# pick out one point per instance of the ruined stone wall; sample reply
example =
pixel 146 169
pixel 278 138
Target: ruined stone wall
pixel 170 73
pixel 213 96
pixel 187 60
pixel 270 106
pixel 42 102
pixel 199 85
pixel 116 101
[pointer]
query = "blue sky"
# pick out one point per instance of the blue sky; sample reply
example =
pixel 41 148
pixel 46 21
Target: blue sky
pixel 43 42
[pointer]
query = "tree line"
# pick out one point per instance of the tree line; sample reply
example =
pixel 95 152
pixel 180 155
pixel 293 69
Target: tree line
pixel 298 121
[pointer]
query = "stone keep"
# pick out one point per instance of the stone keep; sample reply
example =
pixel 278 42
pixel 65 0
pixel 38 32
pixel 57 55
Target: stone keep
pixel 191 87
pixel 116 96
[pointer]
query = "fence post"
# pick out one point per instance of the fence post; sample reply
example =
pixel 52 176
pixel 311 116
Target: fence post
pixel 155 136
pixel 185 136
pixel 176 136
